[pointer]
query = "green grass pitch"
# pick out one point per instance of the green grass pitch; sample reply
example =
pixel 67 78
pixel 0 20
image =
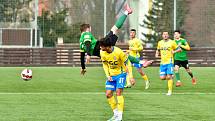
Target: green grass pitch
pixel 61 94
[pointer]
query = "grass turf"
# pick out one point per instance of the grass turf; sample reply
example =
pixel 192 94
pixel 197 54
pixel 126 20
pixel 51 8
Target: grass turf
pixel 61 94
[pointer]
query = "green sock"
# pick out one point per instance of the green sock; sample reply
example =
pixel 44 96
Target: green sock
pixel 177 76
pixel 133 59
pixel 120 21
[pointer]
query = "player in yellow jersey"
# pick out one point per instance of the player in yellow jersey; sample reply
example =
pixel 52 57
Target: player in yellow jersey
pixel 166 49
pixel 114 62
pixel 135 46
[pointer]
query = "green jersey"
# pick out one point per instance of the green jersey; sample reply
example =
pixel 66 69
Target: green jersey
pixel 183 54
pixel 87 36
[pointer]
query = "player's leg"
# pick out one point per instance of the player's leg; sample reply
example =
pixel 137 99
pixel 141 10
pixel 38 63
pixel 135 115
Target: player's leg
pixel 122 18
pixel 170 84
pixel 191 75
pixel 163 72
pixel 118 25
pixel 177 65
pixel 83 67
pixel 120 99
pixel 143 75
pixel 186 66
pixel 169 78
pixel 163 76
pixel 129 78
pixel 146 63
pixel 110 87
pixel 135 60
pixel 120 103
pixel 114 29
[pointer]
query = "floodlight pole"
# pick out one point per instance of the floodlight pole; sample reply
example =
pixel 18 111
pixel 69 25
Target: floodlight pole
pixel 36 15
pixel 105 21
pixel 175 14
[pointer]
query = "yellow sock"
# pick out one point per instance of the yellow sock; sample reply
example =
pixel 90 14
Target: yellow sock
pixel 145 77
pixel 120 104
pixel 170 84
pixel 128 77
pixel 112 102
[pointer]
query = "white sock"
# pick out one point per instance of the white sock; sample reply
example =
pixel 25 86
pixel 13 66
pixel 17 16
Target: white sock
pixel 125 12
pixel 120 115
pixel 115 112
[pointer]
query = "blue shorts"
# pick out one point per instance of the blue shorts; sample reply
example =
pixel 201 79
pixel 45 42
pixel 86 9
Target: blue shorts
pixel 166 69
pixel 118 82
pixel 137 65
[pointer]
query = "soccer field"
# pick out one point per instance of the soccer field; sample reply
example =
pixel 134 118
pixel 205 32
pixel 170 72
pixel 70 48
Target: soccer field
pixel 61 94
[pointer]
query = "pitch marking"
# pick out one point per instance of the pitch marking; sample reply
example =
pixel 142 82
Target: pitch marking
pixel 100 93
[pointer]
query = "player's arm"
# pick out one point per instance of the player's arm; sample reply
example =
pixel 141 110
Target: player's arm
pixel 176 48
pixel 106 68
pixel 87 42
pixel 186 46
pixel 126 64
pixel 157 53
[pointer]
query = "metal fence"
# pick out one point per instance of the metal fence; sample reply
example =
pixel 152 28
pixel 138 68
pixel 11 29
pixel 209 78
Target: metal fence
pixel 194 17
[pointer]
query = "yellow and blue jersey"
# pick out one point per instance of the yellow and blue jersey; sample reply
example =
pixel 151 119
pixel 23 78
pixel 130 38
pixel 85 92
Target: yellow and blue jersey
pixel 136 46
pixel 114 62
pixel 166 49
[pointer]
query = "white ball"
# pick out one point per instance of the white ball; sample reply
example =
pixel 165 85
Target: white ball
pixel 26 74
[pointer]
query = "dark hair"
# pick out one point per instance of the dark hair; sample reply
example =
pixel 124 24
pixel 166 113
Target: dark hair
pixel 178 31
pixel 83 27
pixel 105 42
pixel 133 30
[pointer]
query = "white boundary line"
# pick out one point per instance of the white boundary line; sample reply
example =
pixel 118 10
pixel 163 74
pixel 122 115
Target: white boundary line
pixel 100 93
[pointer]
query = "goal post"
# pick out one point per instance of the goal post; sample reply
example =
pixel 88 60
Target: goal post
pixel 19 37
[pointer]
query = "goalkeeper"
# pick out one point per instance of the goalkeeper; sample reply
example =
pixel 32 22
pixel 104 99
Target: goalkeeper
pixel 89 45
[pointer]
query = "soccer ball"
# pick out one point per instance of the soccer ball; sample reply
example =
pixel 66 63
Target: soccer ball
pixel 26 74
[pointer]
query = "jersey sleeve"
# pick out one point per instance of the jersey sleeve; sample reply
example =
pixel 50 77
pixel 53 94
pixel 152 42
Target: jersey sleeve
pixel 158 46
pixel 174 45
pixel 185 45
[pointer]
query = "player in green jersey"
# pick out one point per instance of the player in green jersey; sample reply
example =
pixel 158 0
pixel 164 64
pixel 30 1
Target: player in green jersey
pixel 180 58
pixel 89 45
